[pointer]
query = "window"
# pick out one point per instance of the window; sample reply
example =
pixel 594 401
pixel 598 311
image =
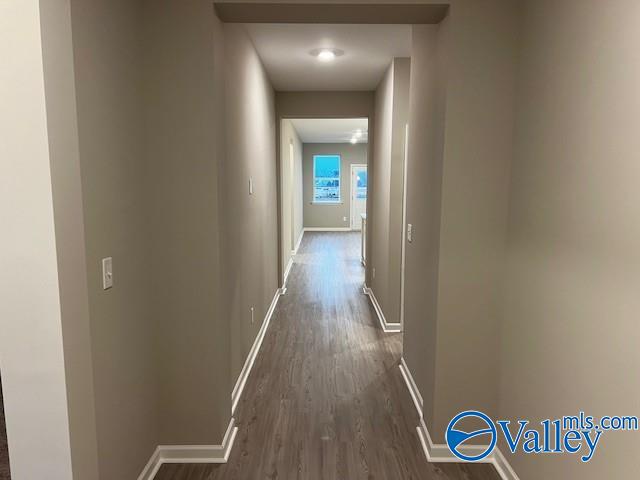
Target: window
pixel 326 178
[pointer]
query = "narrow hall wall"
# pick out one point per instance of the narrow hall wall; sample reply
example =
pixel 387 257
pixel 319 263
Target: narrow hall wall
pixel 183 91
pixel 392 98
pixel 249 220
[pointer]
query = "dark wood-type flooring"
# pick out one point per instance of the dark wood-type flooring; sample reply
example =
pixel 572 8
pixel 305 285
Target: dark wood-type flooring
pixel 4 451
pixel 326 399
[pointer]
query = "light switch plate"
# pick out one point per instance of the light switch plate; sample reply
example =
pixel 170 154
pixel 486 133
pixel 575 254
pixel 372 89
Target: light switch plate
pixel 250 185
pixel 409 232
pixel 107 273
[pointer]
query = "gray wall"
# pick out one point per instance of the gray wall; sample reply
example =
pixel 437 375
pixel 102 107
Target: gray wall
pixel 477 155
pixel 108 71
pixel 291 190
pixel 570 333
pixel 424 187
pixel 250 235
pixel 324 104
pixel 183 78
pixel 332 215
pixel 379 230
pixel 392 99
pixel 157 177
pixel 454 265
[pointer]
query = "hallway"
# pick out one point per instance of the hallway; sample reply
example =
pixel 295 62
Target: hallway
pixel 326 399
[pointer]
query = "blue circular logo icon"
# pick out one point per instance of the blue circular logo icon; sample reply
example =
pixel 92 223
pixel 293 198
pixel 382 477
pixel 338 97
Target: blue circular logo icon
pixel 457 438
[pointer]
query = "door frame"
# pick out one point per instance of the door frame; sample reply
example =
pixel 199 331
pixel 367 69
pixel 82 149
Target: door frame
pixel 403 246
pixel 352 193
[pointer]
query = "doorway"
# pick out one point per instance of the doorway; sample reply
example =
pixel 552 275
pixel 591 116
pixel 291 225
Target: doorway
pixel 358 195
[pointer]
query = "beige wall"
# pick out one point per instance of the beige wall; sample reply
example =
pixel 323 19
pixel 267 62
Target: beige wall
pixel 570 334
pixel 461 265
pixel 392 96
pixel 249 228
pixel 291 190
pixel 332 215
pixel 184 113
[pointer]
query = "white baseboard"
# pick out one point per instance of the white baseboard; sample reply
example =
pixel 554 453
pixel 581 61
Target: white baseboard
pixel 253 353
pixel 297 247
pixel 151 468
pixel 386 327
pixel 411 386
pixel 439 452
pixel 327 229
pixel 190 453
pixel 505 470
pixel 287 270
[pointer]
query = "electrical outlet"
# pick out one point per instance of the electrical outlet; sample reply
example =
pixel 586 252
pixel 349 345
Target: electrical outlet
pixel 250 185
pixel 252 319
pixel 409 232
pixel 107 273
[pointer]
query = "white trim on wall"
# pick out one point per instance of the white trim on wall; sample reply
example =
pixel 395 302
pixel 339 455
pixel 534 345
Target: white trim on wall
pixel 253 353
pixel 327 229
pixel 190 453
pixel 352 194
pixel 386 326
pixel 411 385
pixel 287 270
pixel 403 244
pixel 298 243
pixel 439 452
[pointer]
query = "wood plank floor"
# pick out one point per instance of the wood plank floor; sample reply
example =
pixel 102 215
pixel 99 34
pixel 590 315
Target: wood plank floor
pixel 4 451
pixel 326 399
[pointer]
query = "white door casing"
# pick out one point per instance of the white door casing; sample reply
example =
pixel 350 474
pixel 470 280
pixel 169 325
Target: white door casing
pixel 358 194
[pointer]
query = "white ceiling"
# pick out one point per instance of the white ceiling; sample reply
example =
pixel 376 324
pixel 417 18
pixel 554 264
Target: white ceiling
pixel 330 130
pixel 368 51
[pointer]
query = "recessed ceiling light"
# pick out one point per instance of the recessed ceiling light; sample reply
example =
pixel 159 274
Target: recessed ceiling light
pixel 326 54
pixel 354 140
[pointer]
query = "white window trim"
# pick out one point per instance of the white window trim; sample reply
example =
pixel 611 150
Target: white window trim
pixel 313 180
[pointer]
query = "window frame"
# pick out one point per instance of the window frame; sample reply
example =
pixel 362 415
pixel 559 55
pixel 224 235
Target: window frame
pixel 338 201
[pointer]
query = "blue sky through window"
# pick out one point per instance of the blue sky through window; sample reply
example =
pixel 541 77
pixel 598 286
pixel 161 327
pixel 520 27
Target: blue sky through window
pixel 326 178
